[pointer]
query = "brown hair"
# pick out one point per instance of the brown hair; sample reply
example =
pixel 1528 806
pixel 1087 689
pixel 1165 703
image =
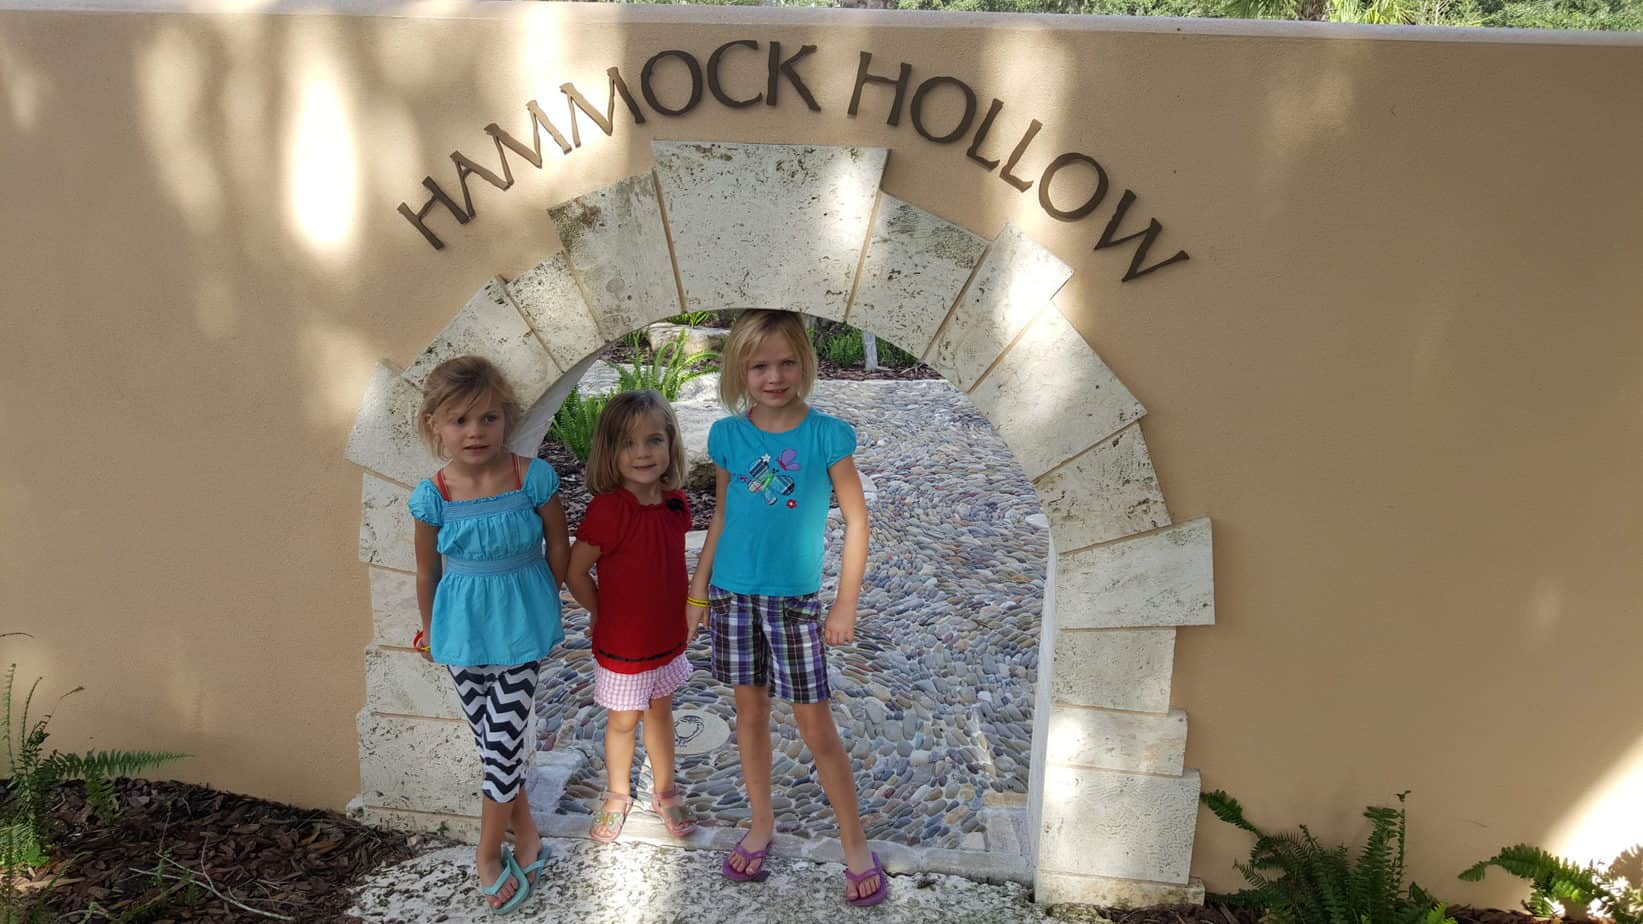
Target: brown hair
pixel 456 385
pixel 746 335
pixel 602 475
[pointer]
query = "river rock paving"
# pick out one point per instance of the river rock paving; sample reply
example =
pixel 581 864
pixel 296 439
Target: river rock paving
pixel 934 699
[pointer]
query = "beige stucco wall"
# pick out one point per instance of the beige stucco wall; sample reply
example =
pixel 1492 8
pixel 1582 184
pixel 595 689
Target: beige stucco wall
pixel 1400 371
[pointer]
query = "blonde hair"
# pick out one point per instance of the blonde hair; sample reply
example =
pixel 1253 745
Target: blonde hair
pixel 603 475
pixel 458 384
pixel 746 336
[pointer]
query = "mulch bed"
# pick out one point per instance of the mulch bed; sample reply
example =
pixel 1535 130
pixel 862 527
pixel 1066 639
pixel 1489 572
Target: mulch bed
pixel 180 852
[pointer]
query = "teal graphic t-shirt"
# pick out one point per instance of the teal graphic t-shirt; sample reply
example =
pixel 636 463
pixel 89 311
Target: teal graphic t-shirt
pixel 776 502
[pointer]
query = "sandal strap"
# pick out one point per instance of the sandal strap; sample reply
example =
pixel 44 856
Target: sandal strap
pixel 876 869
pixel 746 854
pixel 608 796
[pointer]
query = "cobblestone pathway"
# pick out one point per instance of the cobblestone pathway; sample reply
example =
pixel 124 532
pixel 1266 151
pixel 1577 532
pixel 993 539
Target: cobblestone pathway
pixel 934 699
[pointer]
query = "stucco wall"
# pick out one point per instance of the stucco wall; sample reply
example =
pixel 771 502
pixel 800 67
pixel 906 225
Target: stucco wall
pixel 1400 370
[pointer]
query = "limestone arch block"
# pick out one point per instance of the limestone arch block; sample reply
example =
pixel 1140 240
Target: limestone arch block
pixel 539 416
pixel 1013 284
pixel 768 225
pixel 1114 668
pixel 425 765
pixel 395 617
pixel 387 531
pixel 1113 740
pixel 617 245
pixel 551 301
pixel 490 326
pixel 1121 825
pixel 1165 578
pixel 1108 492
pixel 384 438
pixel 915 266
pixel 1050 359
pixel 400 682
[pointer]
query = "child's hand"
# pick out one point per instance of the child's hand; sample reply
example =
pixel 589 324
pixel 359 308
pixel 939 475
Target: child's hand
pixel 424 643
pixel 695 619
pixel 840 627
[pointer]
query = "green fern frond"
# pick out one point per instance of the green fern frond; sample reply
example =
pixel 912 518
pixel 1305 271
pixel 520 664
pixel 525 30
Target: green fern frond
pixel 1228 810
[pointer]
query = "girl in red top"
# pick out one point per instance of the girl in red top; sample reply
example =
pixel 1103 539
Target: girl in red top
pixel 634 529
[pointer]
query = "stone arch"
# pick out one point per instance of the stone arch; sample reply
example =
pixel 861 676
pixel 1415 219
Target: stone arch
pixel 1112 810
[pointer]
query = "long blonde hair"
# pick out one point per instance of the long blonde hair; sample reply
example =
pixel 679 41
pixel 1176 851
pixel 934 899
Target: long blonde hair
pixel 456 385
pixel 615 421
pixel 747 334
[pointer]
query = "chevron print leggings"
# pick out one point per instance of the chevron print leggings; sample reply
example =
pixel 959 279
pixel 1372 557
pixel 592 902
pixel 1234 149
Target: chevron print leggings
pixel 497 700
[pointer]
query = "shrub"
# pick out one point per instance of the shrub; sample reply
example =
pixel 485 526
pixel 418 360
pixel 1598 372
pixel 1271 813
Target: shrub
pixel 843 347
pixel 574 422
pixel 1575 887
pixel 1324 885
pixel 667 370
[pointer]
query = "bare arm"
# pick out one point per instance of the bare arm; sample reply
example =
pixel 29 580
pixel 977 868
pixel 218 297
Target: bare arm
pixel 579 580
pixel 429 569
pixel 557 535
pixel 696 616
pixel 841 619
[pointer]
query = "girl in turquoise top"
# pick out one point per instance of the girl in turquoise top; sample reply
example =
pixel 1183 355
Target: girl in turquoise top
pixel 488 596
pixel 759 572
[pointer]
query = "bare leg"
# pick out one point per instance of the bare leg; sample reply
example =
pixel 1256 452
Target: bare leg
pixel 821 736
pixel 659 742
pixel 619 729
pixel 527 841
pixel 493 824
pixel 753 745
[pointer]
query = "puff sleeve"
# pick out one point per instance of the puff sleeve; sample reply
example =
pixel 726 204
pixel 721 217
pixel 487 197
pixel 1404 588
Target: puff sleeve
pixel 541 482
pixel 716 437
pixel 838 441
pixel 602 523
pixel 426 504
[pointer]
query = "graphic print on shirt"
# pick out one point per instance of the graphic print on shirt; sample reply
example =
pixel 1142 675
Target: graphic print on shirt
pixel 767 479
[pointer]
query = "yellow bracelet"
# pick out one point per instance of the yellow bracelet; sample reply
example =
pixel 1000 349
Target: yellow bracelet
pixel 695 602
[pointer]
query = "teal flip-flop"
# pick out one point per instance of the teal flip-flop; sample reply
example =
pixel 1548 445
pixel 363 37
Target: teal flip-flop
pixel 536 867
pixel 510 871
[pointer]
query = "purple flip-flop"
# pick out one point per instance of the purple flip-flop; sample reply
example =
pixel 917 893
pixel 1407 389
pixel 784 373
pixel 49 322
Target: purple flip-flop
pixel 748 856
pixel 872 898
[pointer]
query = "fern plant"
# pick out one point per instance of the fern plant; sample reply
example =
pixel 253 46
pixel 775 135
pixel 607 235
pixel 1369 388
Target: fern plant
pixel 1298 880
pixel 575 420
pixel 32 775
pixel 1575 887
pixel 668 369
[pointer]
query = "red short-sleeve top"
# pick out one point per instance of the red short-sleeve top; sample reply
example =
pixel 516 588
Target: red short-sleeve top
pixel 642 580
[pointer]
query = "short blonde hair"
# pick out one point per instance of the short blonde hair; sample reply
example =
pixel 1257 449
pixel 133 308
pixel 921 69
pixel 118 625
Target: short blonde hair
pixel 603 475
pixel 746 336
pixel 456 385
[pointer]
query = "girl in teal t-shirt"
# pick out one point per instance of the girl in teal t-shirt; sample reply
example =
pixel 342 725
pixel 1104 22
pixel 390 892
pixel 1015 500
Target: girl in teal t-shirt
pixel 757 579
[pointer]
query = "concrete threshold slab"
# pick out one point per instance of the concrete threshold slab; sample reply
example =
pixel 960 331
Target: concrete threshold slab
pixel 636 881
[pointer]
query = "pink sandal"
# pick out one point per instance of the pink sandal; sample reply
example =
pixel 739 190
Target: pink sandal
pixel 671 809
pixel 748 858
pixel 876 896
pixel 611 822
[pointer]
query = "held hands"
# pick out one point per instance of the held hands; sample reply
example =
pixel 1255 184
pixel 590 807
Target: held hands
pixel 840 628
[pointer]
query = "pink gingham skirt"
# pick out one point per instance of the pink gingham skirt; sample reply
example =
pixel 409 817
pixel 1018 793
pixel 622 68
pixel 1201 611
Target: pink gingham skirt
pixel 633 692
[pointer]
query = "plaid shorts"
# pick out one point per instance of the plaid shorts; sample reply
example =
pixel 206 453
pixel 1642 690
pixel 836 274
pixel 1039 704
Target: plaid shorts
pixel 633 692
pixel 760 640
